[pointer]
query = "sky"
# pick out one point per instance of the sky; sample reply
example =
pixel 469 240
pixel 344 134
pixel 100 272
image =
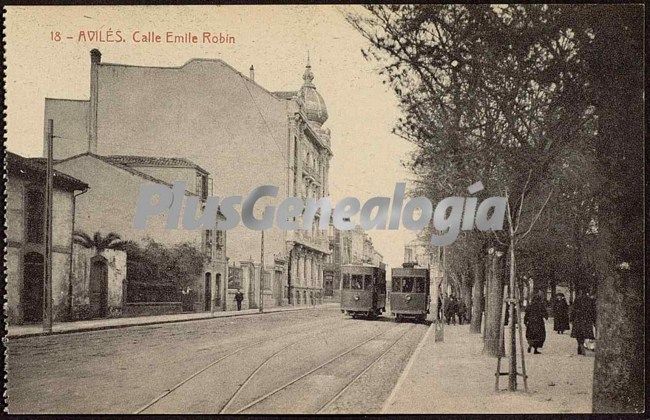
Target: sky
pixel 275 39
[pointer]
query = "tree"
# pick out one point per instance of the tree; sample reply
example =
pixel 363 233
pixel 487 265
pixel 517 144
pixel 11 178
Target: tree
pixel 514 95
pixel 98 242
pixel 487 93
pixel 614 51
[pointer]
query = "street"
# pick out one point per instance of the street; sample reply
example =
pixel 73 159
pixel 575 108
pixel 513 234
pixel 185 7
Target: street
pixel 310 361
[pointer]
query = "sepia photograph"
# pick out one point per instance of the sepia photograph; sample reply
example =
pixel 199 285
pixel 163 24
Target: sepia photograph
pixel 368 209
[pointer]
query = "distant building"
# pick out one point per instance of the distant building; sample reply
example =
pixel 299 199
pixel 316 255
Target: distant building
pixel 228 124
pixel 25 232
pixel 348 247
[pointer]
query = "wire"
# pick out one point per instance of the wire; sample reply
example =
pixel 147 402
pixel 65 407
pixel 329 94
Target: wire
pixel 264 119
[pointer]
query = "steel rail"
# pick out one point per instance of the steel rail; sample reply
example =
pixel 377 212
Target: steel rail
pixel 276 390
pixel 211 364
pixel 366 369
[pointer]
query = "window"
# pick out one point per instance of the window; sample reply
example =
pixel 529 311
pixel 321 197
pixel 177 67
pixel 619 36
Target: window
pixel 219 239
pixel 346 281
pixel 408 285
pixel 397 284
pixel 234 277
pixel 35 215
pixel 368 282
pixel 419 285
pixel 201 186
pixel 208 239
pixel 357 282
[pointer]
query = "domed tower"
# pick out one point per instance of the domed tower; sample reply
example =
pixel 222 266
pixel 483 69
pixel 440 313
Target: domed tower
pixel 313 104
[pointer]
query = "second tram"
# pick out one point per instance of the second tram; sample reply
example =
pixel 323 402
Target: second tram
pixel 363 290
pixel 409 295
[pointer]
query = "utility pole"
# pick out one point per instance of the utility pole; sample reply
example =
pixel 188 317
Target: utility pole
pixel 47 273
pixel 261 294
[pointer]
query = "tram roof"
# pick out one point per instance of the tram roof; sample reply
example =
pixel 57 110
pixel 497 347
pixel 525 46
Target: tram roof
pixel 408 271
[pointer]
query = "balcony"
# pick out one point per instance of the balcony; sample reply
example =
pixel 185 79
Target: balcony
pixel 318 241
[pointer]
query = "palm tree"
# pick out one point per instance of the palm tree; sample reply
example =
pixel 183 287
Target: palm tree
pixel 98 242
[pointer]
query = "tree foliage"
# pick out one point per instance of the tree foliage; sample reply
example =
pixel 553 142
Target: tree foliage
pixel 532 99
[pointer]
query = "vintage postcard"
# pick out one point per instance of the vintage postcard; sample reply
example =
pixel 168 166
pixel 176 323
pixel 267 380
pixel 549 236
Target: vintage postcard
pixel 324 209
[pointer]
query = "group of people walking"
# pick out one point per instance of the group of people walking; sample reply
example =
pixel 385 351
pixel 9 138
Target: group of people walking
pixel 581 315
pixel 455 310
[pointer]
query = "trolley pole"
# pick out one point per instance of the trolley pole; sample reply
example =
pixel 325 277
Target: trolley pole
pixel 261 294
pixel 47 273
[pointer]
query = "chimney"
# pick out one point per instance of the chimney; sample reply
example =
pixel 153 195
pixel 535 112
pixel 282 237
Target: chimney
pixel 95 60
pixel 95 56
pixel 252 73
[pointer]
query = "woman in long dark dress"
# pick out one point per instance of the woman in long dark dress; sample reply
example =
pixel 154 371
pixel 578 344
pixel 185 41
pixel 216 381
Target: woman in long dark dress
pixel 583 318
pixel 534 321
pixel 560 314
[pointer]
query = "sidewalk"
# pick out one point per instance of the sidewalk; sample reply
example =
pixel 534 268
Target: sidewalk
pixel 454 377
pixel 18 331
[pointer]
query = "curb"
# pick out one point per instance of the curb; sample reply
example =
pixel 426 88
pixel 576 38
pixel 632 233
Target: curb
pixel 406 371
pixel 160 322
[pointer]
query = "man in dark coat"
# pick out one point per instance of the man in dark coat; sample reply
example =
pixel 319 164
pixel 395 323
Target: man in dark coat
pixel 239 297
pixel 560 314
pixel 451 309
pixel 583 318
pixel 462 311
pixel 534 321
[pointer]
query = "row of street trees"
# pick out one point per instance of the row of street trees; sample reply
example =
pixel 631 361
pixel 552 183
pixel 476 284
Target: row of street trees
pixel 544 105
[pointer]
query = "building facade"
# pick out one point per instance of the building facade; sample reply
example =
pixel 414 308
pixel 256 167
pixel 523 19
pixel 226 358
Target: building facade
pixel 243 134
pixel 110 204
pixel 25 232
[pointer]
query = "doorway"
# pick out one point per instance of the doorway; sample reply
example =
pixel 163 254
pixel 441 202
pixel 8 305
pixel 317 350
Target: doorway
pixel 217 292
pixel 208 291
pixel 98 287
pixel 32 294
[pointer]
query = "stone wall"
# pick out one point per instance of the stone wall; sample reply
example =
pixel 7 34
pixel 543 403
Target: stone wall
pixel 151 308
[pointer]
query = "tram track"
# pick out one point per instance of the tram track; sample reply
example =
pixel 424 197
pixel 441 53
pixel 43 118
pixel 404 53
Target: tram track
pixel 328 362
pixel 363 372
pixel 185 381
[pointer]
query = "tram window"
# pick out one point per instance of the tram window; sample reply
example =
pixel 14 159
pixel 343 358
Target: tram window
pixel 419 285
pixel 368 282
pixel 397 284
pixel 346 281
pixel 408 285
pixel 357 282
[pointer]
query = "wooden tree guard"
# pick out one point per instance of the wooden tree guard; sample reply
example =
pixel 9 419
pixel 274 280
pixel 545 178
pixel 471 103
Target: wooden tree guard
pixel 502 351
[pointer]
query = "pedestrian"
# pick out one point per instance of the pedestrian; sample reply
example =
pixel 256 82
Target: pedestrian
pixel 462 310
pixel 560 314
pixel 534 321
pixel 440 311
pixel 451 310
pixel 239 297
pixel 583 317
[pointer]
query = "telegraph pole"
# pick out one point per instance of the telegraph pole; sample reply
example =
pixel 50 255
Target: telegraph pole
pixel 47 273
pixel 261 294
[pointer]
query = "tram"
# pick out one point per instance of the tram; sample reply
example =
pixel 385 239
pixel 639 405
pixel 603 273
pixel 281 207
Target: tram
pixel 363 290
pixel 409 295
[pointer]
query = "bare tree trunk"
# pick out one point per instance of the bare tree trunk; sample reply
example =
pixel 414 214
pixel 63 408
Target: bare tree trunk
pixel 477 295
pixel 491 345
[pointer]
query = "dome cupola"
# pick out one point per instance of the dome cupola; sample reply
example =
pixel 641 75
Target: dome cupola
pixel 313 104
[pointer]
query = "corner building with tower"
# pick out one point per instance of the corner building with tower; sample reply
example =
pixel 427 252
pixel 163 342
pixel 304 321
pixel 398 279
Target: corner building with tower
pixel 241 133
